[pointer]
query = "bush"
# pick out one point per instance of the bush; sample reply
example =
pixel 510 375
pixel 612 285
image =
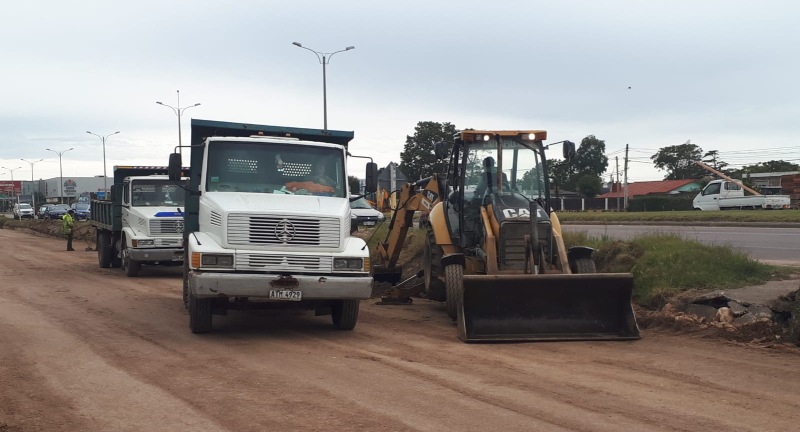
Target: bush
pixel 661 203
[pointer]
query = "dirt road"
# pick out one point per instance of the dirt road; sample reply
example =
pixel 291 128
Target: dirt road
pixel 84 348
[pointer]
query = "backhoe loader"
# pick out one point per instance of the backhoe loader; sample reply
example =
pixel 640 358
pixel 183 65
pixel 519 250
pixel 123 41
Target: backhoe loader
pixel 494 252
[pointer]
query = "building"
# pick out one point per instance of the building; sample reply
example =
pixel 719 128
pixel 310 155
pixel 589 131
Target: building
pixel 770 183
pixel 661 187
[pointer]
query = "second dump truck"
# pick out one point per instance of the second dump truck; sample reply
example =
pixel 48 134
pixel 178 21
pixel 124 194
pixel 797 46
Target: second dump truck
pixel 142 223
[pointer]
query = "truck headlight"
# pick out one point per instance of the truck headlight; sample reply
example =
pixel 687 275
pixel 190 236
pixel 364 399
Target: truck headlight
pixel 216 260
pixel 142 243
pixel 348 264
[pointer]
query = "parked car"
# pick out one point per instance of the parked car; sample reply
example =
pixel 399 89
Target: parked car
pixel 82 210
pixel 56 211
pixel 23 211
pixel 365 215
pixel 42 212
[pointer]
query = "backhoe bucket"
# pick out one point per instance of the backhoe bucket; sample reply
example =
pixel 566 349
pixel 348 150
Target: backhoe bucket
pixel 547 307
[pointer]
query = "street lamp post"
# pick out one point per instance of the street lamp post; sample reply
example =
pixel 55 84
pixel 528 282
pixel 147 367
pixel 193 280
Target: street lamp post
pixel 323 58
pixel 33 194
pixel 11 170
pixel 105 178
pixel 179 112
pixel 60 173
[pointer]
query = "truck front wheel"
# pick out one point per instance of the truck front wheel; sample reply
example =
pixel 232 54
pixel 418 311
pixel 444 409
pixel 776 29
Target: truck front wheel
pixel 130 266
pixel 344 314
pixel 199 314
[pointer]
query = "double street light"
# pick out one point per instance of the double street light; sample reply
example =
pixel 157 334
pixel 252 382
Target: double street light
pixel 11 170
pixel 103 138
pixel 61 172
pixel 178 112
pixel 33 192
pixel 323 58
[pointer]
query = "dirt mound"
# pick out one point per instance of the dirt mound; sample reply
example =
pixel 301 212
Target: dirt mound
pixel 83 230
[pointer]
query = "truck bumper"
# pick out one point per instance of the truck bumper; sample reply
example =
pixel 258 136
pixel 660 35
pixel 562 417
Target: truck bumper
pixel 208 284
pixel 167 254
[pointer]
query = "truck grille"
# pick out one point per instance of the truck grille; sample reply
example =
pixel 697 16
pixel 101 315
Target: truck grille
pixel 169 242
pixel 166 226
pixel 283 263
pixel 286 231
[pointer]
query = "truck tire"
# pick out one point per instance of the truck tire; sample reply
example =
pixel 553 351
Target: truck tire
pixel 454 282
pixel 344 314
pixel 583 266
pixel 432 262
pixel 200 314
pixel 116 261
pixel 186 283
pixel 103 250
pixel 130 266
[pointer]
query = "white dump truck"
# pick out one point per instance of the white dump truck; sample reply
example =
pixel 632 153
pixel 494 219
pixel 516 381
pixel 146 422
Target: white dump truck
pixel 142 223
pixel 268 223
pixel 729 195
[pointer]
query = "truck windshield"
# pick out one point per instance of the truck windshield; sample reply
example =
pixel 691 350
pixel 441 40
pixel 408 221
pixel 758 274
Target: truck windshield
pixel 157 193
pixel 521 170
pixel 259 167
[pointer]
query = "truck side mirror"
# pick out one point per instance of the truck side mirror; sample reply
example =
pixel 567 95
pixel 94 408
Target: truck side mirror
pixel 175 167
pixel 441 150
pixel 371 182
pixel 569 150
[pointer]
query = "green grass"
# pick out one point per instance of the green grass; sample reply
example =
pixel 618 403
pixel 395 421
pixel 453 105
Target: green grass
pixel 685 216
pixel 664 265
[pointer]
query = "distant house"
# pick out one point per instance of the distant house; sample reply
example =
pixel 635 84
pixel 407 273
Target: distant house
pixel 772 183
pixel 662 187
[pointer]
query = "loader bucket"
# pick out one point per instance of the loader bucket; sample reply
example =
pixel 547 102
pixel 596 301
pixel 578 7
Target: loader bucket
pixel 544 307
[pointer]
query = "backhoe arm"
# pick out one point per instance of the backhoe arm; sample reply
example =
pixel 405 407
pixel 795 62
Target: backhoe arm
pixel 423 194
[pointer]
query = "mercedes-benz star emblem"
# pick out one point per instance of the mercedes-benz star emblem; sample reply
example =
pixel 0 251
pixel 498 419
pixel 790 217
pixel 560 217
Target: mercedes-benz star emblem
pixel 178 226
pixel 284 231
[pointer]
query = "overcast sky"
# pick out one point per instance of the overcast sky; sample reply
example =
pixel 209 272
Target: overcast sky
pixel 723 74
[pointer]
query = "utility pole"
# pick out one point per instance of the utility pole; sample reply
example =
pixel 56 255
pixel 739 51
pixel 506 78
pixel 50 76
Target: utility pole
pixel 626 178
pixel 616 158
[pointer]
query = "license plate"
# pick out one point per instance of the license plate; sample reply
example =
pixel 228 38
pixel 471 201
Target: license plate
pixel 290 295
pixel 369 223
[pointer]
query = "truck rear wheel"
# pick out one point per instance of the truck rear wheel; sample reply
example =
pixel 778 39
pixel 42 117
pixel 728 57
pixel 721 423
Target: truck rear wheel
pixel 344 314
pixel 199 314
pixel 104 250
pixel 454 282
pixel 434 286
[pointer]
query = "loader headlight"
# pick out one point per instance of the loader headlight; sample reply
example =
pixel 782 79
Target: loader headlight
pixel 216 260
pixel 142 243
pixel 348 264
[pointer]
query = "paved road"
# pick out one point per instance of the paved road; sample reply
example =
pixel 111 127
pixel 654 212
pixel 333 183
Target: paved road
pixel 777 245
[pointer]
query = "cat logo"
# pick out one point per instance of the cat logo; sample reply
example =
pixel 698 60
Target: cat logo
pixel 523 213
pixel 428 198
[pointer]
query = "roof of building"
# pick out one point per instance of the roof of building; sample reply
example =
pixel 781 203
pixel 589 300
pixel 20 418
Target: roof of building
pixel 649 187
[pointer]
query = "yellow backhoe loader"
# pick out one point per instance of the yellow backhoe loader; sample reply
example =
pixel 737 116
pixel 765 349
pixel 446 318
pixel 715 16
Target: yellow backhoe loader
pixel 495 253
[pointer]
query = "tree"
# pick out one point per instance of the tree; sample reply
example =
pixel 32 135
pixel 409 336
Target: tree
pixel 560 173
pixel 710 158
pixel 679 161
pixel 589 185
pixel 355 184
pixel 591 157
pixel 417 159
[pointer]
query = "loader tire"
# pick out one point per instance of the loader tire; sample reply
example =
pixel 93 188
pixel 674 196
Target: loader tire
pixel 584 265
pixel 200 314
pixel 454 282
pixel 344 314
pixel 434 286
